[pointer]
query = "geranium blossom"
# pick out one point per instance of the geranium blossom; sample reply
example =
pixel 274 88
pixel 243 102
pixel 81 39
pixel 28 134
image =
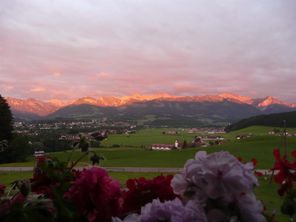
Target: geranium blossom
pixel 142 191
pixel 51 176
pixel 222 178
pixel 250 208
pixel 216 175
pixel 171 211
pixel 96 195
pixel 8 203
pixel 286 174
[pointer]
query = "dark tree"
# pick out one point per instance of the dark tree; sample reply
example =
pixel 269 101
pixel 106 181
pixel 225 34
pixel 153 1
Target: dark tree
pixel 95 159
pixel 83 144
pixel 5 120
pixel 17 151
pixel 184 145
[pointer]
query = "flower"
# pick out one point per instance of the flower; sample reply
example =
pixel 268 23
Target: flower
pixel 250 208
pixel 222 184
pixel 129 218
pixel 172 211
pixel 7 204
pixel 51 177
pixel 158 211
pixel 142 191
pixel 95 195
pixel 215 175
pixel 286 174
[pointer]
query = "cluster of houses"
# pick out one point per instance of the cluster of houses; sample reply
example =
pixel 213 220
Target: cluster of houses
pixel 36 128
pixel 278 132
pixel 198 141
pixel 243 136
pixel 97 135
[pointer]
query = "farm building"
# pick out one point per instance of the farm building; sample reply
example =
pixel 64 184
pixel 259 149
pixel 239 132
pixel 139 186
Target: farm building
pixel 162 146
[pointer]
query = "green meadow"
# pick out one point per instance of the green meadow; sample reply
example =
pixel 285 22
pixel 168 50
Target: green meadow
pixel 134 149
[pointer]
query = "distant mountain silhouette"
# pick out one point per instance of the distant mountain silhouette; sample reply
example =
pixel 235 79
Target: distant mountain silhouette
pixel 164 110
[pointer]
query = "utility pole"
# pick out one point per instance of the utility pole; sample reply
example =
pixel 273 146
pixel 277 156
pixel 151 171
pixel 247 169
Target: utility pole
pixel 285 139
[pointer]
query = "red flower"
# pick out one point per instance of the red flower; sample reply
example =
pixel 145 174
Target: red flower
pixel 2 189
pixel 7 204
pixel 96 195
pixel 18 199
pixel 142 191
pixel 254 161
pixel 259 174
pixel 51 177
pixel 40 160
pixel 286 174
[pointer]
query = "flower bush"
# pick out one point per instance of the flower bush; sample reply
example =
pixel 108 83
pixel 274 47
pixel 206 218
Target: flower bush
pixel 96 195
pixel 214 188
pixel 211 188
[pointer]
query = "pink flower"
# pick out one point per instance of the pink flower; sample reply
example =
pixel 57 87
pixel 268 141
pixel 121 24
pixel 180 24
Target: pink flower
pixel 95 195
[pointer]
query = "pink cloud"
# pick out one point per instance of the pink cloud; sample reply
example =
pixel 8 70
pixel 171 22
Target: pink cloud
pixel 209 47
pixel 56 74
pixel 101 75
pixel 37 89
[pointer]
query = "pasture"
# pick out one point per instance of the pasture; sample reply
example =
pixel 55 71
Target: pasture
pixel 134 149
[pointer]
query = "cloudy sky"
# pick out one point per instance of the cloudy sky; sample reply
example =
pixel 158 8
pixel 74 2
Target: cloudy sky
pixel 67 49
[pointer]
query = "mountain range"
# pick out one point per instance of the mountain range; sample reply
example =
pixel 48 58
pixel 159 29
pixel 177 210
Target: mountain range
pixel 162 108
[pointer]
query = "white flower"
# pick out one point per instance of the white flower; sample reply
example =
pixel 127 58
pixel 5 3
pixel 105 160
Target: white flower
pixel 158 211
pixel 215 176
pixel 129 218
pixel 194 212
pixel 222 178
pixel 250 208
pixel 172 211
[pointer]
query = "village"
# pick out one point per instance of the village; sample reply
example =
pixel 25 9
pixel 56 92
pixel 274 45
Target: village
pixel 206 137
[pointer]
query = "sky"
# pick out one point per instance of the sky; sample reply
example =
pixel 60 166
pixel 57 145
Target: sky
pixel 65 49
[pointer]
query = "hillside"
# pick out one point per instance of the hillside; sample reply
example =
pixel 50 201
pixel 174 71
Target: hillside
pixel 275 120
pixel 164 113
pixel 154 110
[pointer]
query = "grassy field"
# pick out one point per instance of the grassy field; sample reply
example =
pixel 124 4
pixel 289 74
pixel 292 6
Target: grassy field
pixel 132 153
pixel 146 137
pixel 259 147
pixel 8 177
pixel 265 192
